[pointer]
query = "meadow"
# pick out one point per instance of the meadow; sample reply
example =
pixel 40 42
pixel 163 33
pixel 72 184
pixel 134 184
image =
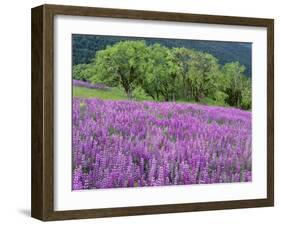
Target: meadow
pixel 127 143
pixel 146 113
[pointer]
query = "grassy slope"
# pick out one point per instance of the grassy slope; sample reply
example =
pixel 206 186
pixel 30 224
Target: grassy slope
pixel 118 94
pixel 112 94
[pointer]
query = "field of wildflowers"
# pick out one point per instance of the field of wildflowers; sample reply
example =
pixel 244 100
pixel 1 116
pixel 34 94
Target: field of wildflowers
pixel 135 144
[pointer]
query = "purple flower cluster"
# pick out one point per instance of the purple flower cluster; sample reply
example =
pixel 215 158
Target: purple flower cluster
pixel 135 144
pixel 80 83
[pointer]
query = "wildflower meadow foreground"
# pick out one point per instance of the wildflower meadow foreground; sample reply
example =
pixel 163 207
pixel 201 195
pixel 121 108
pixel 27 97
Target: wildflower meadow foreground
pixel 135 144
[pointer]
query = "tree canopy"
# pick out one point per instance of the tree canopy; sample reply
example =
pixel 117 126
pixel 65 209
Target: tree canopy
pixel 85 47
pixel 122 64
pixel 168 74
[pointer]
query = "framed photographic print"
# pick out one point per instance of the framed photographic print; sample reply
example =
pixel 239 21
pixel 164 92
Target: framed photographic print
pixel 141 112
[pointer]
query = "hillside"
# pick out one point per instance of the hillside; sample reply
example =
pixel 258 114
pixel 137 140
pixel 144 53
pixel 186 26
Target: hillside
pixel 84 48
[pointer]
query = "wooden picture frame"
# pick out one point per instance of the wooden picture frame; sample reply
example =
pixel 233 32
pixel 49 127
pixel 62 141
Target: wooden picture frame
pixel 42 203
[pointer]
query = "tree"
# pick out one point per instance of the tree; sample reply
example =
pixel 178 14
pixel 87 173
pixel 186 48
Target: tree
pixel 182 57
pixel 238 87
pixel 246 102
pixel 122 64
pixel 82 72
pixel 203 75
pixel 161 74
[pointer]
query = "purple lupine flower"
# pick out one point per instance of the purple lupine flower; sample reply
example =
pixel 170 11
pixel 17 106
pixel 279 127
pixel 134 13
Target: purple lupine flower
pixel 77 183
pixel 128 144
pixel 80 83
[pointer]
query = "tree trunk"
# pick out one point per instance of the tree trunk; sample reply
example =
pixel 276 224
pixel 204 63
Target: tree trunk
pixel 129 94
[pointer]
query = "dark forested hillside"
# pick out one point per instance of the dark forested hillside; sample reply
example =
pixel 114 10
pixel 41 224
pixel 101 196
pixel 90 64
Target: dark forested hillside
pixel 84 48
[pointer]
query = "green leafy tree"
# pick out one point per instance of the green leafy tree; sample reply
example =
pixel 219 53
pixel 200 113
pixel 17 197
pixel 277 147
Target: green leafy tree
pixel 122 64
pixel 182 58
pixel 246 102
pixel 162 73
pixel 238 86
pixel 203 75
pixel 82 72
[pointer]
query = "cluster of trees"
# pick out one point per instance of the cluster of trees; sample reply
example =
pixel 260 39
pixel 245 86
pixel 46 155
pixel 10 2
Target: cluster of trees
pixel 85 47
pixel 168 74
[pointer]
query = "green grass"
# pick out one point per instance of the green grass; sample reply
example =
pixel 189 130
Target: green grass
pixel 116 93
pixel 111 94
